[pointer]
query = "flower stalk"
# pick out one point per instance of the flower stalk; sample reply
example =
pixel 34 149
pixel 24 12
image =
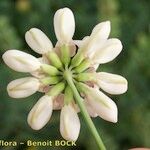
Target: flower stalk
pixel 84 112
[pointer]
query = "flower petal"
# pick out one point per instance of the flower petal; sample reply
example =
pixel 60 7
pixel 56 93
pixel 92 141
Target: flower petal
pixel 38 41
pixel 64 30
pixel 21 61
pixel 100 103
pixel 90 109
pixel 101 30
pixel 97 38
pixel 106 53
pixel 69 123
pixel 112 83
pixel 23 87
pixel 41 112
pixel 83 42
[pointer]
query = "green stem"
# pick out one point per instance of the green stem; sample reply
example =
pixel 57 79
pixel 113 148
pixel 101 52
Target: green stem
pixel 84 112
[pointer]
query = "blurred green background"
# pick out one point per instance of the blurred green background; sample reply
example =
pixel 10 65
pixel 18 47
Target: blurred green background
pixel 130 22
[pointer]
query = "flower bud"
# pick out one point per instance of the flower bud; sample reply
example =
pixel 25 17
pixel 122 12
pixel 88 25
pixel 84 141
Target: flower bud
pixel 21 61
pixel 41 112
pixel 38 41
pixel 23 87
pixel 111 83
pixel 64 25
pixel 69 123
pixel 109 51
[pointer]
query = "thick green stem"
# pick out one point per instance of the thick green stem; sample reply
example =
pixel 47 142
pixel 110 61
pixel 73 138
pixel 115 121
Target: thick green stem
pixel 84 111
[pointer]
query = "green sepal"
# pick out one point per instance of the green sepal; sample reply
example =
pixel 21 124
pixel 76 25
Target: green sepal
pixel 55 60
pixel 65 55
pixel 85 77
pixel 68 97
pixel 77 59
pixel 50 80
pixel 81 87
pixel 56 89
pixel 85 64
pixel 51 70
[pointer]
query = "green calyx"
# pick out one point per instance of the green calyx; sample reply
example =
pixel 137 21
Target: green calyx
pixel 55 60
pixel 85 64
pixel 65 55
pixel 50 70
pixel 50 80
pixel 68 97
pixel 57 89
pixel 83 77
pixel 62 66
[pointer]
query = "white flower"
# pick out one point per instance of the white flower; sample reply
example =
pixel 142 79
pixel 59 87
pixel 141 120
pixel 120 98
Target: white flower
pixel 64 25
pixel 69 123
pixel 41 112
pixel 61 68
pixel 23 87
pixel 38 41
pixel 21 61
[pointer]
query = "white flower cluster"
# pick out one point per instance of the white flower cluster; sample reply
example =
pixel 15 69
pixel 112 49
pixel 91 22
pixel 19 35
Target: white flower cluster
pixel 78 57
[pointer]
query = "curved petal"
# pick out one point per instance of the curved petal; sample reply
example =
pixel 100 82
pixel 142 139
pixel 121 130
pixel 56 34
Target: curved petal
pixel 23 87
pixel 90 109
pixel 101 30
pixel 83 42
pixel 112 83
pixel 38 41
pixel 100 103
pixel 69 123
pixel 41 112
pixel 64 30
pixel 109 51
pixel 21 61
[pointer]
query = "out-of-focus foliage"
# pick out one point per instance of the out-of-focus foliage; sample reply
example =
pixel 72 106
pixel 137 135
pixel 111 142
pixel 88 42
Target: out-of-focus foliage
pixel 130 22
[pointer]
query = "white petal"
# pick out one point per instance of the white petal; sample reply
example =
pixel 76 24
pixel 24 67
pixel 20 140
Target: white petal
pixel 108 51
pixel 38 41
pixel 41 112
pixel 90 109
pixel 83 42
pixel 64 25
pixel 69 123
pixel 97 38
pixel 23 87
pixel 112 83
pixel 101 31
pixel 21 61
pixel 39 73
pixel 102 104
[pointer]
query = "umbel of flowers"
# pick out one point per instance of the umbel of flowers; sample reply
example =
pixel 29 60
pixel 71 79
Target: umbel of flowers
pixel 66 74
